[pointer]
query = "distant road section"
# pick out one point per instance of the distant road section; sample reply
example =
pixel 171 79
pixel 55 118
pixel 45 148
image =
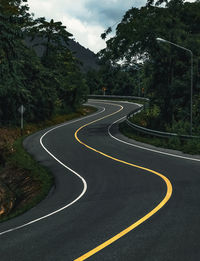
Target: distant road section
pixel 111 200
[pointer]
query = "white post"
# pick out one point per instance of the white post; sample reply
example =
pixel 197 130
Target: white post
pixel 191 84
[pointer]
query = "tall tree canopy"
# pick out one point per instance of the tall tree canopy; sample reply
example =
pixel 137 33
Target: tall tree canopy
pixel 43 85
pixel 167 68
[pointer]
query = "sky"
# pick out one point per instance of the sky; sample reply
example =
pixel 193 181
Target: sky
pixel 85 19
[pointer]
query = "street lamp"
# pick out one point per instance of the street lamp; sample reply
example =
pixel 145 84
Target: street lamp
pixel 191 86
pixel 136 67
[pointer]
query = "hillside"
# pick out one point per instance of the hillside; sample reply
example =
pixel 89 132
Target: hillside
pixel 88 58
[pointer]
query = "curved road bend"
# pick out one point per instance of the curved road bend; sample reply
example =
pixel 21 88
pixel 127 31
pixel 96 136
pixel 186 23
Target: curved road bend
pixel 108 197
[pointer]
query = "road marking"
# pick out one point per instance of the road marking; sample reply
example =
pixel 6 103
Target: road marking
pixel 148 149
pixel 141 147
pixel 140 221
pixel 74 172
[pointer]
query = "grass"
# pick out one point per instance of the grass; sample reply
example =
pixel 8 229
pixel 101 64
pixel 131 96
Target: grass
pixel 23 180
pixel 32 183
pixel 187 146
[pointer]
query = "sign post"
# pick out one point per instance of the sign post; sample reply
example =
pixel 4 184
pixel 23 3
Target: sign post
pixel 104 90
pixel 21 110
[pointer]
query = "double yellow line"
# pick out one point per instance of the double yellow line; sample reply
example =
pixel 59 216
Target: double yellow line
pixel 143 219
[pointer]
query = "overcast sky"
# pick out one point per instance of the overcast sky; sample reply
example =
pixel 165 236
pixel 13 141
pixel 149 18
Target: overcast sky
pixel 85 19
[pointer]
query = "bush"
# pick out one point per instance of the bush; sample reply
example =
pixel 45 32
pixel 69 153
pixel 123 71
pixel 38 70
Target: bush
pixel 148 118
pixel 192 147
pixel 179 127
pixel 174 143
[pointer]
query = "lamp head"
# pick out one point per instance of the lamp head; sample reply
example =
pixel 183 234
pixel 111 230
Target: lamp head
pixel 161 40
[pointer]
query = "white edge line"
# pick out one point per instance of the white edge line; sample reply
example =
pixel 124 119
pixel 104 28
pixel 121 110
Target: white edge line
pixel 144 148
pixel 74 172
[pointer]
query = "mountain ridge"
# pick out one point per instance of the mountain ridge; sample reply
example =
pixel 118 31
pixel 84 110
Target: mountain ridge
pixel 85 55
pixel 88 59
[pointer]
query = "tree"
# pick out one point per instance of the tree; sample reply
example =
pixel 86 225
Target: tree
pixel 39 84
pixel 53 35
pixel 12 90
pixel 117 80
pixel 166 68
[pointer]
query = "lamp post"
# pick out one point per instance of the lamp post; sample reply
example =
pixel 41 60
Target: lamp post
pixel 136 67
pixel 191 85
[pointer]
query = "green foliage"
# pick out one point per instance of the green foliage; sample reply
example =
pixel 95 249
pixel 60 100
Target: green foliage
pixel 26 79
pixel 166 68
pixel 188 146
pixel 53 34
pixel 21 161
pixel 147 118
pixel 179 127
pixel 116 79
pixel 108 31
pixel 20 171
pixel 192 147
pixel 64 68
pixel 153 112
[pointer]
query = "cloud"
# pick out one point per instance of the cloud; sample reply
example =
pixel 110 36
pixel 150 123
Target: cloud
pixel 88 36
pixel 112 11
pixel 85 19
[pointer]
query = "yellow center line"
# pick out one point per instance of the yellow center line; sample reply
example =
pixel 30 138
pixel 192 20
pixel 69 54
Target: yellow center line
pixel 143 219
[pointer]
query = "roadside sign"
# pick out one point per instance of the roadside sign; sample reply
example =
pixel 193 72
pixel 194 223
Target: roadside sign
pixel 21 110
pixel 104 90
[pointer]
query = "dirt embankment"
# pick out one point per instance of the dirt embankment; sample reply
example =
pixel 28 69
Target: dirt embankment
pixel 22 183
pixel 7 197
pixel 17 187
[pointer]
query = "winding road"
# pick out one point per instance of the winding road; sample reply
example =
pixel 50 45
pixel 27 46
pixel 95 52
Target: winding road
pixel 114 199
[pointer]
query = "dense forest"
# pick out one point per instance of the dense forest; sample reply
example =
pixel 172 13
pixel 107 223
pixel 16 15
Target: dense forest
pixel 133 63
pixel 52 83
pixel 164 73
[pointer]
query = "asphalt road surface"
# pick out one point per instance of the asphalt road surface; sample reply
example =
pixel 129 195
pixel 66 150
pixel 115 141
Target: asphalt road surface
pixel 112 201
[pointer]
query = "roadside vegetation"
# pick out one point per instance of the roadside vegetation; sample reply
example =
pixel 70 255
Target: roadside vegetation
pixel 186 146
pixel 45 84
pixel 23 182
pixel 149 118
pixel 50 85
pixel 133 100
pixel 161 71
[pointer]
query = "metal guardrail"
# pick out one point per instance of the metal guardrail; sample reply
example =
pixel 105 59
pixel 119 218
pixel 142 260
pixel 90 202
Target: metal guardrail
pixel 118 97
pixel 156 133
pixel 140 128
